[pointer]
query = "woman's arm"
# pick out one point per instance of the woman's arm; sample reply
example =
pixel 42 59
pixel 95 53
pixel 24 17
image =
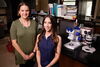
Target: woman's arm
pixel 37 52
pixel 57 53
pixel 13 35
pixel 34 50
pixel 16 46
pixel 38 58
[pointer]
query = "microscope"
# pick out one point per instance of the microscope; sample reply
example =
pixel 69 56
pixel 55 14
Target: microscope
pixel 74 36
pixel 87 39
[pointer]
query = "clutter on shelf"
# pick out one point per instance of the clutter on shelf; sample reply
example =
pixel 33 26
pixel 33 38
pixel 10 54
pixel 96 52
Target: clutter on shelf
pixel 64 11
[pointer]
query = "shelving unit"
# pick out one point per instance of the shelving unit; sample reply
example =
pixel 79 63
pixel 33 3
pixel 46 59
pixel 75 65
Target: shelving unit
pixel 3 22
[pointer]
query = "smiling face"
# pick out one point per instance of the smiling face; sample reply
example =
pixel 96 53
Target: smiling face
pixel 24 11
pixel 47 24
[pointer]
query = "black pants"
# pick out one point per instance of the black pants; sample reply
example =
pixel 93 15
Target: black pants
pixel 29 63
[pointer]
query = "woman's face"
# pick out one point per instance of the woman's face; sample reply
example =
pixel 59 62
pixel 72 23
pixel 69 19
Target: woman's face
pixel 47 24
pixel 24 11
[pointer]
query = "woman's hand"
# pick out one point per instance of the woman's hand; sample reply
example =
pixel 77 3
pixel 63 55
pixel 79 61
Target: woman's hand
pixel 31 55
pixel 26 57
pixel 48 65
pixel 17 47
pixel 39 65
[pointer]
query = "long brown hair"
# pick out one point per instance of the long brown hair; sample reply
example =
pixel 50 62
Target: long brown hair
pixel 54 34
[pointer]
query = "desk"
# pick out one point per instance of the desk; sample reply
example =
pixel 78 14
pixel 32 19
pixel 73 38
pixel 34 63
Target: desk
pixel 92 60
pixel 78 54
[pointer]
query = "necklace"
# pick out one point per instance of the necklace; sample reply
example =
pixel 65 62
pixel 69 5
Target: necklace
pixel 25 23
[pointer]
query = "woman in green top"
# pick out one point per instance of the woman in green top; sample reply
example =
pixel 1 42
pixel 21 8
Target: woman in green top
pixel 23 33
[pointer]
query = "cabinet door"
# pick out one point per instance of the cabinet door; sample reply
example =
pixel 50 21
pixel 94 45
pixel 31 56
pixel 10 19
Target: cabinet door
pixel 97 10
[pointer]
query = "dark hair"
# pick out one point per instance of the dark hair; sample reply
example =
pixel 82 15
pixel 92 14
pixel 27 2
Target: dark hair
pixel 21 4
pixel 54 34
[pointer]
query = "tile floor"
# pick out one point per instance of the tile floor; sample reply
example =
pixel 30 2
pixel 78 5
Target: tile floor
pixel 6 58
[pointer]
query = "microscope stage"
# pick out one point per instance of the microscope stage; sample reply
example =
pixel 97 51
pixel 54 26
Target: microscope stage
pixel 72 45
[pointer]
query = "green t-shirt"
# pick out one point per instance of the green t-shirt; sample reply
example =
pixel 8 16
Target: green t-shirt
pixel 25 37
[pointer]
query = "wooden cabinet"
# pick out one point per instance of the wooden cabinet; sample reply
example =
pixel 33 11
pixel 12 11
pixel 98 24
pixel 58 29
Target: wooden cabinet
pixel 96 17
pixel 97 10
pixel 3 21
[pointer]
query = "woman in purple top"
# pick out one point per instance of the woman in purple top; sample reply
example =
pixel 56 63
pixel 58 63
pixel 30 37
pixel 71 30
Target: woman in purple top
pixel 48 44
